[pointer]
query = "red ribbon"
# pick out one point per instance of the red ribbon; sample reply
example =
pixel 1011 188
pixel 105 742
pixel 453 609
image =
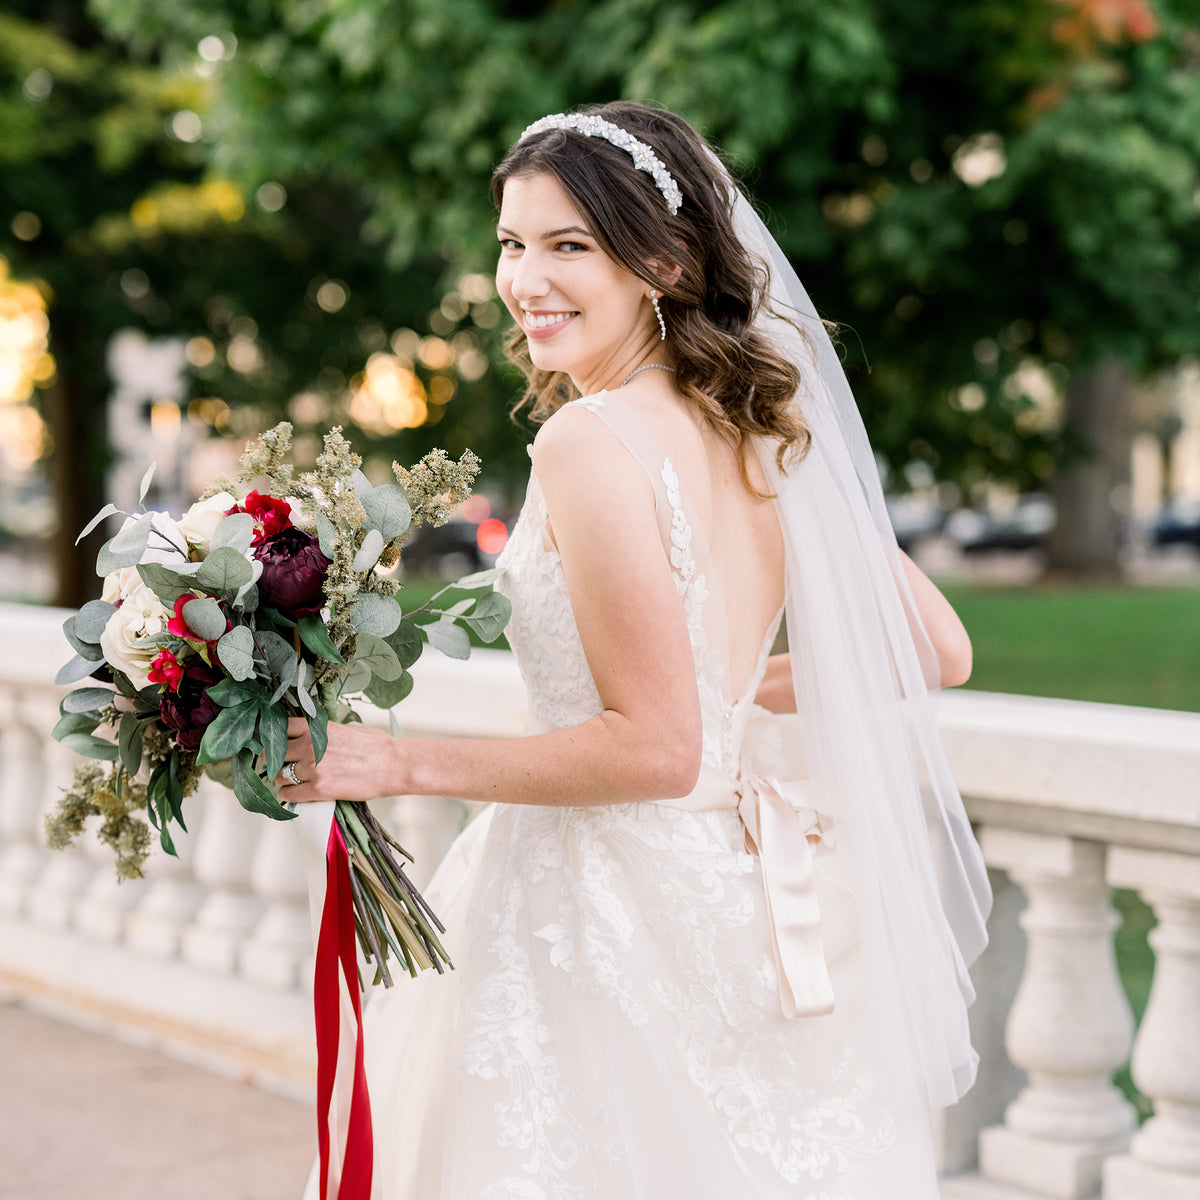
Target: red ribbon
pixel 336 948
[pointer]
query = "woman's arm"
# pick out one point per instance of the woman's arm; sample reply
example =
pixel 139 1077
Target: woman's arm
pixel 645 745
pixel 946 633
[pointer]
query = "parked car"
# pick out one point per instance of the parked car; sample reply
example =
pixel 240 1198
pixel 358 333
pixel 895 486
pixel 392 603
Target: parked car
pixel 977 530
pixel 1177 524
pixel 914 517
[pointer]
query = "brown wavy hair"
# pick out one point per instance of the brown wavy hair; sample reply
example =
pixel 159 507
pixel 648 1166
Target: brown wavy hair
pixel 742 386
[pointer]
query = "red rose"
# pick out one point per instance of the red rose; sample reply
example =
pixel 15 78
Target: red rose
pixel 165 669
pixel 188 710
pixel 293 574
pixel 271 515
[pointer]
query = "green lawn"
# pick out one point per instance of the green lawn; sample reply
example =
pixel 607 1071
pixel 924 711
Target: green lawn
pixel 1133 645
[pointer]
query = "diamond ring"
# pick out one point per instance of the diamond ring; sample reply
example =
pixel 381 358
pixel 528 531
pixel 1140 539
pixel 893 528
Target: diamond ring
pixel 289 773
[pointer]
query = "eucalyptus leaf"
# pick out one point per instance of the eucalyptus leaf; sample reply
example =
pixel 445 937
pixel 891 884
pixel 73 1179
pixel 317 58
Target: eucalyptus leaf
pixel 286 676
pixel 89 699
pixel 277 651
pixel 358 678
pixel 235 531
pixel 318 730
pixel 368 553
pixel 449 638
pixel 316 637
pixel 326 533
pixel 384 693
pixel 109 510
pixel 144 486
pixel 73 722
pixel 229 692
pixel 129 742
pixel 375 653
pixel 306 702
pixel 166 583
pixel 174 790
pixel 205 618
pixel 489 616
pixel 479 579
pixel 376 613
pixel 78 668
pixel 459 607
pixel 236 652
pixel 126 548
pixel 272 732
pixel 89 650
pixel 361 484
pixel 407 642
pixel 387 509
pixel 92 618
pixel 228 733
pixel 224 570
pixel 90 746
pixel 254 795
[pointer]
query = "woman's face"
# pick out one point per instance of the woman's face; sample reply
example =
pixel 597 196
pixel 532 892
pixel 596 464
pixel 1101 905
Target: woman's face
pixel 581 312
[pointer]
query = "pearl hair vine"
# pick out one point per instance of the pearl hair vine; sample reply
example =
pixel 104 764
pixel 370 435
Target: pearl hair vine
pixel 643 156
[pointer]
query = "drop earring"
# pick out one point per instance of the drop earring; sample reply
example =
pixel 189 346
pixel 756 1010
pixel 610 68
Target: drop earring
pixel 662 325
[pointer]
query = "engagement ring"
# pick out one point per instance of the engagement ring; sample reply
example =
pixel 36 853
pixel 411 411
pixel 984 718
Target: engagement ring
pixel 289 773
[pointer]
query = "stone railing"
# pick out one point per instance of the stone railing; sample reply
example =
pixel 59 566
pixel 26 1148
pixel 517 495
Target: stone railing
pixel 210 955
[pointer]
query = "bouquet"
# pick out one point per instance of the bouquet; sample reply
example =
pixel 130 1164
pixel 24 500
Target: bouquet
pixel 261 603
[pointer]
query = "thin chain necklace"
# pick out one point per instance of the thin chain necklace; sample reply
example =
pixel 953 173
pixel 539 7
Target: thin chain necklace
pixel 647 367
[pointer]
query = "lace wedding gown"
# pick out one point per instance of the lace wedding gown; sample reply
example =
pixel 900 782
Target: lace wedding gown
pixel 613 1029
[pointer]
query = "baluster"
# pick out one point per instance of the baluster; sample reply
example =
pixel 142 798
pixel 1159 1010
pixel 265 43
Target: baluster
pixel 425 826
pixel 172 895
pixel 281 945
pixel 68 872
pixel 22 784
pixel 1070 1026
pixel 1164 1157
pixel 224 855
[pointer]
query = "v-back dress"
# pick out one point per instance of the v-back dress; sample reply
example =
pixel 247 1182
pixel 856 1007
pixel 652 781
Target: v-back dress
pixel 615 1027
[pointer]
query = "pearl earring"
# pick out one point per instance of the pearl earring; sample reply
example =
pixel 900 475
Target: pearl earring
pixel 662 325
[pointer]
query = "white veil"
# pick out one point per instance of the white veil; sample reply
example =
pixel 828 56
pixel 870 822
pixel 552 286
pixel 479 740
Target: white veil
pixel 863 668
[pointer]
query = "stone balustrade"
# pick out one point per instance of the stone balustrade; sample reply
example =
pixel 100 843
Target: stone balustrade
pixel 210 955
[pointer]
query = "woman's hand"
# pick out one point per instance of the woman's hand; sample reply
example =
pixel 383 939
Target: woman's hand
pixel 360 763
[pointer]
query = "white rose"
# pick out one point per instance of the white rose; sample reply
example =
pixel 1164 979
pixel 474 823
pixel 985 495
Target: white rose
pixel 198 523
pixel 120 585
pixel 167 544
pixel 139 619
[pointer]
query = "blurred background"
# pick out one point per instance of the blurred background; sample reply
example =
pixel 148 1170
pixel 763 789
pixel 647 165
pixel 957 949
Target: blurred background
pixel 216 214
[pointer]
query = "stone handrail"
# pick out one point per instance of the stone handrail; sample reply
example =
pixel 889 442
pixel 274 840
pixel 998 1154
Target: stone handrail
pixel 210 955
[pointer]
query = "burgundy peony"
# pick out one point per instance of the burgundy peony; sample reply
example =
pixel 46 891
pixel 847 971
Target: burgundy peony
pixel 188 710
pixel 293 574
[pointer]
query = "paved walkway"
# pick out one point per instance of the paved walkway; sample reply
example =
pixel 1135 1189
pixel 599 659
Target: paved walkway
pixel 85 1115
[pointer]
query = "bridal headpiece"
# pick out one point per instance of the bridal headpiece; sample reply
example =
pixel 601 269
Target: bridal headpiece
pixel 643 156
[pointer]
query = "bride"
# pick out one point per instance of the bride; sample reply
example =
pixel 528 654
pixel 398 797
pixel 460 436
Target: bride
pixel 712 937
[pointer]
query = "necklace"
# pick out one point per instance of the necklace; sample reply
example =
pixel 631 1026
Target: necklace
pixel 647 367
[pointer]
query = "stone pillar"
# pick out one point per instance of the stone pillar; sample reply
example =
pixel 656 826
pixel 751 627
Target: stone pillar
pixel 1070 1026
pixel 282 943
pixel 224 854
pixel 22 785
pixel 1164 1158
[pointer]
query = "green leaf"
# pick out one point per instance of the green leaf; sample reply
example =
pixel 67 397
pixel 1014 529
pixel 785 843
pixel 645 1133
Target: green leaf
pixel 230 731
pixel 479 579
pixel 318 730
pixel 489 617
pixel 306 702
pixel 224 570
pixel 375 653
pixel 357 679
pixel 384 693
pixel 78 668
pixel 407 642
pixel 326 534
pixel 167 584
pixel 252 793
pixel 458 607
pixel 109 510
pixel 287 676
pixel 126 548
pixel 388 510
pixel 90 746
pixel 377 614
pixel 74 722
pixel 174 790
pixel 88 650
pixel 205 618
pixel 236 652
pixel 144 486
pixel 236 531
pixel 129 742
pixel 87 700
pixel 272 731
pixel 279 653
pixel 449 638
pixel 368 553
pixel 316 637
pixel 230 692
pixel 91 620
